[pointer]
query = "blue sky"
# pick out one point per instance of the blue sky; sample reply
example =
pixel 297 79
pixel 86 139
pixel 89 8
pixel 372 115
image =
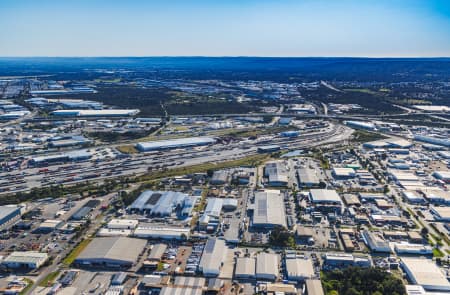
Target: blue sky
pixel 370 28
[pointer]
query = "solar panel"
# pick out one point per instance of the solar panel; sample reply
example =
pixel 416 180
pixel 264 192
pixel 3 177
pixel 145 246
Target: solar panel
pixel 209 247
pixel 262 207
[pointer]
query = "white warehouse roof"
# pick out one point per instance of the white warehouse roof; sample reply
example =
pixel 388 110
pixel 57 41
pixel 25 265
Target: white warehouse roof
pixel 174 143
pixel 299 268
pixel 426 273
pixel 212 257
pixel 324 196
pixel 267 266
pixel 245 267
pixel 26 257
pixel 112 250
pixel 96 113
pixel 269 209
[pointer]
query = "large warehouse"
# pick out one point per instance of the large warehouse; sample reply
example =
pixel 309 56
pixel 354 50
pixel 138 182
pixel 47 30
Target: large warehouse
pixel 162 203
pixel 174 143
pixel 28 259
pixel 299 269
pixel 267 266
pixel 307 177
pixel 245 268
pixel 426 273
pixel 276 173
pixel 95 113
pixel 269 209
pixel 111 252
pixel 9 214
pixel 162 232
pixel 441 213
pixel 213 257
pixel 326 199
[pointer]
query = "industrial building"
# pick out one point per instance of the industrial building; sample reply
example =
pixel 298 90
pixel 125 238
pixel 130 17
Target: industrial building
pixel 441 213
pixel 122 224
pixel 61 157
pixel 162 232
pixel 299 269
pixel 442 175
pixel 49 225
pixel 213 257
pixel 245 268
pixel 219 177
pixel 268 210
pixel 276 173
pixel 111 252
pixel 375 242
pixel 9 215
pixel 174 143
pixel 27 259
pixel 269 148
pixel 413 249
pixel 314 287
pixel 339 260
pixel 157 252
pixel 14 115
pixel 433 140
pixel 95 113
pixel 85 210
pixel 215 205
pixel 307 177
pixel 435 195
pixel 163 203
pixel 326 200
pixel 267 266
pixel 426 273
pixel 171 290
pixel 412 197
pixel 343 173
pixel 360 125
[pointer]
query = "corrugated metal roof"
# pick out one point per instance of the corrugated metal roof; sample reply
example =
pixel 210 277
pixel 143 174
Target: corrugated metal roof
pixel 174 143
pixel 113 249
pixel 269 209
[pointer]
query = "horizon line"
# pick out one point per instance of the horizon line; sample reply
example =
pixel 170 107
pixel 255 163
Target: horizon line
pixel 220 56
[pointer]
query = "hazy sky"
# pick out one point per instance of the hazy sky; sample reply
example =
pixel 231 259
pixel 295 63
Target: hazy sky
pixel 225 27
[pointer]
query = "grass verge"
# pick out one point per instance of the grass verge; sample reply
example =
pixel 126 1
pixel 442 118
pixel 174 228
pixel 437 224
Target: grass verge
pixel 127 149
pixel 28 287
pixel 76 251
pixel 247 161
pixel 49 279
pixel 437 253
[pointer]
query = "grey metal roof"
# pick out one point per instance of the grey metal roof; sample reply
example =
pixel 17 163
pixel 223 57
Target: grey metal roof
pixel 307 175
pixel 113 249
pixel 269 209
pixel 213 207
pixel 6 211
pixel 299 268
pixel 245 267
pixel 219 177
pixel 174 143
pixel 314 287
pixel 267 264
pixel 25 257
pixel 325 196
pixel 213 255
pixel 157 251
pixel 160 202
pixel 276 172
pixel 181 291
